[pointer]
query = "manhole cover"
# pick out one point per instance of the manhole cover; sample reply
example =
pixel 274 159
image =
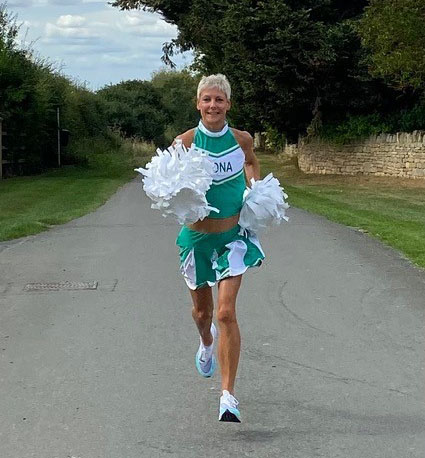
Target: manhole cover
pixel 61 286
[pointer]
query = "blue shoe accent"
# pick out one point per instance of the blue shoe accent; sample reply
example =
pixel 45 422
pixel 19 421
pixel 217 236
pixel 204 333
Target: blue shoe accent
pixel 209 367
pixel 229 414
pixel 198 365
pixel 229 408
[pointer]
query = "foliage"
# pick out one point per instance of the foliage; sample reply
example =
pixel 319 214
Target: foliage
pixel 284 58
pixel 135 108
pixel 274 140
pixel 390 209
pixel 354 128
pixel 178 98
pixel 113 154
pixel 155 110
pixel 394 32
pixel 9 29
pixel 30 205
pixel 357 127
pixel 412 119
pixel 30 93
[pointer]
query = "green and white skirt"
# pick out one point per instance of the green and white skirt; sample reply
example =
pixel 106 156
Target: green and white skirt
pixel 205 259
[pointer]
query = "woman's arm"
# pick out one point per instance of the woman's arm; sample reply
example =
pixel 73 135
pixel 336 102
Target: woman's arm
pixel 252 165
pixel 186 138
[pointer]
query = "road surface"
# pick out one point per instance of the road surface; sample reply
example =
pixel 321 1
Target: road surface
pixel 332 358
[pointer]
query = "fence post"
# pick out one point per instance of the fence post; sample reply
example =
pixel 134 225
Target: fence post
pixel 1 148
pixel 59 134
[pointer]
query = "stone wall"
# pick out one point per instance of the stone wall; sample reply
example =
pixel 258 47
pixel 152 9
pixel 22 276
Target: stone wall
pixel 401 155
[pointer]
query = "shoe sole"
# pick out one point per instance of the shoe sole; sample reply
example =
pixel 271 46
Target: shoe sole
pixel 229 417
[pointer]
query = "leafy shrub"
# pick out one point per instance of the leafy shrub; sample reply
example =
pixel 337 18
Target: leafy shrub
pixel 362 126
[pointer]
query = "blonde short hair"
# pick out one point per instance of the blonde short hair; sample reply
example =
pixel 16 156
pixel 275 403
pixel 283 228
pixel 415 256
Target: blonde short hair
pixel 218 81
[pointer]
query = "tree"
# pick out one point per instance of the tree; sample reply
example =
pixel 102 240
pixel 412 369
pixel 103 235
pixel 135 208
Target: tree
pixel 394 31
pixel 284 59
pixel 135 108
pixel 178 97
pixel 9 29
pixel 30 92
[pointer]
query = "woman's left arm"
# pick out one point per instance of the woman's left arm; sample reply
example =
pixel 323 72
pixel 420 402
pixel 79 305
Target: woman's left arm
pixel 252 165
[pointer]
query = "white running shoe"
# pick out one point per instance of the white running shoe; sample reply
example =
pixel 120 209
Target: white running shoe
pixel 204 359
pixel 229 408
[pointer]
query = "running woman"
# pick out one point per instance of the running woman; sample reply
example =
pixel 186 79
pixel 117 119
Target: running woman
pixel 213 251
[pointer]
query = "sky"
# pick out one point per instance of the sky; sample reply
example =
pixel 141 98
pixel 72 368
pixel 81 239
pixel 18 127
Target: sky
pixel 94 43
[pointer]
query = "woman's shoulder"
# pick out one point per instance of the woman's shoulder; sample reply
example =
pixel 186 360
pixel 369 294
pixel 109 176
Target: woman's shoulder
pixel 243 137
pixel 187 137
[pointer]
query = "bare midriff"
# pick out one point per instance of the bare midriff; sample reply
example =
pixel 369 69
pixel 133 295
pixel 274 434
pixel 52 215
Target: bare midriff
pixel 214 224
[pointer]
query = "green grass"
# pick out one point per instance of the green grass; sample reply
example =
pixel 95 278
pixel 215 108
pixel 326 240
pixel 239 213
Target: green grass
pixel 390 209
pixel 29 205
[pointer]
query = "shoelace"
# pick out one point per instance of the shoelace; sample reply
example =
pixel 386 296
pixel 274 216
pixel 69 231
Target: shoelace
pixel 231 400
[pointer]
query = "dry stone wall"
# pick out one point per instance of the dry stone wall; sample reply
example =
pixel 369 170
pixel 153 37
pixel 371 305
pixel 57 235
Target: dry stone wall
pixel 401 154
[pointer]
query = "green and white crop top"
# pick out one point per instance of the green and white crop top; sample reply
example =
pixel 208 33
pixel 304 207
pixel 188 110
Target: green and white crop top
pixel 228 186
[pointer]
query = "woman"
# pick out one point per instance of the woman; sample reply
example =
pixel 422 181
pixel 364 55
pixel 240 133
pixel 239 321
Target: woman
pixel 213 250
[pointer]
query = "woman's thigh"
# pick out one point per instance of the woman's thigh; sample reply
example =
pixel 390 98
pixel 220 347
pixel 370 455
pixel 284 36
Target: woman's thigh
pixel 202 298
pixel 228 289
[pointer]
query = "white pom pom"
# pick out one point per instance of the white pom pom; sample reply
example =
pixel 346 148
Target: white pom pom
pixel 264 204
pixel 177 180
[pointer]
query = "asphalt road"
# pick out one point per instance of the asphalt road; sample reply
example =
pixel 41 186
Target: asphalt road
pixel 332 358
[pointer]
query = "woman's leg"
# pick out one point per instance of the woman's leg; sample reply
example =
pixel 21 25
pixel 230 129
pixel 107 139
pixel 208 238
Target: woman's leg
pixel 229 342
pixel 202 312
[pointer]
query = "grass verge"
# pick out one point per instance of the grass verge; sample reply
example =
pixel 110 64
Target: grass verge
pixel 29 205
pixel 391 209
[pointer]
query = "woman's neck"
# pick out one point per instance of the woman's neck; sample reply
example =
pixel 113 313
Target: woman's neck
pixel 214 127
pixel 213 130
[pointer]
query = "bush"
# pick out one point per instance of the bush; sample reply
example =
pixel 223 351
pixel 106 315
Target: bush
pixel 362 126
pixel 111 155
pixel 274 140
pixel 413 119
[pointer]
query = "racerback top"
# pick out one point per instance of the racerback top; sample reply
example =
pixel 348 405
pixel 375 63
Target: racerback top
pixel 228 186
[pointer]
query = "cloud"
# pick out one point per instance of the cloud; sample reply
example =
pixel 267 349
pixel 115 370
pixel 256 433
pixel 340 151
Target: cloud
pixel 53 31
pixel 129 59
pixel 31 3
pixel 109 26
pixel 92 48
pixel 27 24
pixel 100 24
pixel 19 4
pixel 70 21
pixel 64 2
pixel 70 27
pixel 137 23
pixel 94 41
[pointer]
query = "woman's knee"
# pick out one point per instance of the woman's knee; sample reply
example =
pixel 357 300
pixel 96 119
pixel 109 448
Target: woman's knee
pixel 226 314
pixel 202 314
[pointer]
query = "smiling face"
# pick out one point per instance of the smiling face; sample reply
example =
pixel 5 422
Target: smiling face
pixel 213 106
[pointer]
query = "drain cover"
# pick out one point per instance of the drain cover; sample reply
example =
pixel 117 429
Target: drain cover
pixel 61 286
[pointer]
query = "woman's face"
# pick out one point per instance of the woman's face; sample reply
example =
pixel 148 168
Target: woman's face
pixel 213 106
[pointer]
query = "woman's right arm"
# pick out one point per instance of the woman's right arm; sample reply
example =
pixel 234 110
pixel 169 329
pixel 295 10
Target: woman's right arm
pixel 186 138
